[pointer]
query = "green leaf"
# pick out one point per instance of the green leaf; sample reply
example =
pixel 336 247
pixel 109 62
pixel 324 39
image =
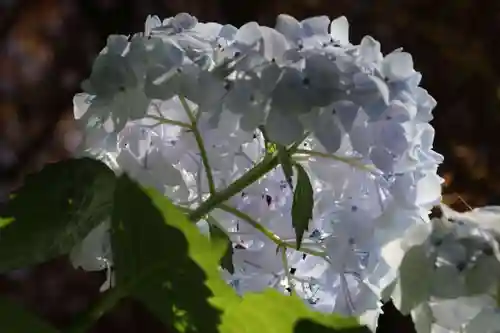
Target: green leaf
pixel 286 164
pixel 163 260
pixel 219 236
pixel 54 209
pixel 14 319
pixel 271 311
pixel 303 203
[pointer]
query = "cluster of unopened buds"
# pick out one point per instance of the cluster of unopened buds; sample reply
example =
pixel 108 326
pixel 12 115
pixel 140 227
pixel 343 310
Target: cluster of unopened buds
pixel 191 108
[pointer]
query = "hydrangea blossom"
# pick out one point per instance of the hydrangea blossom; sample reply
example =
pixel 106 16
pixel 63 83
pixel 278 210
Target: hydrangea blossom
pixel 457 260
pixel 190 107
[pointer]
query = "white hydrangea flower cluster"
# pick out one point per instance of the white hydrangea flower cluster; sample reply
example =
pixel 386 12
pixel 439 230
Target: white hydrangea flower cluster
pixel 449 276
pixel 189 108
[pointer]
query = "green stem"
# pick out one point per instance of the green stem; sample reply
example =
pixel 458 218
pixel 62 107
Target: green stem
pixel 267 142
pixel 252 222
pixel 162 120
pixel 351 161
pixel 260 169
pixel 268 233
pixel 107 302
pixel 199 142
pixel 498 295
pixel 284 260
pixel 267 164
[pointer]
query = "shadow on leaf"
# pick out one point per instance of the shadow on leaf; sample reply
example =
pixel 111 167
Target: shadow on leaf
pixel 153 246
pixel 308 326
pixel 54 209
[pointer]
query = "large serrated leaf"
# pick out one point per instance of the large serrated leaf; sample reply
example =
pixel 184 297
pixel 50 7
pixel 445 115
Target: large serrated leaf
pixel 303 204
pixel 15 319
pixel 271 311
pixel 54 209
pixel 163 260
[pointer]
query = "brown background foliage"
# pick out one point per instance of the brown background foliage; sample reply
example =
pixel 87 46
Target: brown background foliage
pixel 47 47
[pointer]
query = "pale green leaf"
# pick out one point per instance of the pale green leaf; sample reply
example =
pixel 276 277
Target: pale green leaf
pixel 271 312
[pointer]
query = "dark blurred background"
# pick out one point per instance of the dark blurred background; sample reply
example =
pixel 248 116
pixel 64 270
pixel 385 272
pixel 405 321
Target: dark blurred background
pixel 47 48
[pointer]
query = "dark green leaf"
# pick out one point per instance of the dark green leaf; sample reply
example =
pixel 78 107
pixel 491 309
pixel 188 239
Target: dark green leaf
pixel 163 260
pixel 303 202
pixel 227 259
pixel 271 311
pixel 53 210
pixel 286 164
pixel 14 319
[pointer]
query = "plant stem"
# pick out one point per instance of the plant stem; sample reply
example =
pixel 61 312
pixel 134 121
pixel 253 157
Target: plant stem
pixel 284 260
pixel 199 142
pixel 498 295
pixel 252 222
pixel 268 233
pixel 351 161
pixel 266 165
pixel 267 143
pixel 103 305
pixel 162 120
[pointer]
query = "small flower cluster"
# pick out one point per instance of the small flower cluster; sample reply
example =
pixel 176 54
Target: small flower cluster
pixel 450 273
pixel 189 108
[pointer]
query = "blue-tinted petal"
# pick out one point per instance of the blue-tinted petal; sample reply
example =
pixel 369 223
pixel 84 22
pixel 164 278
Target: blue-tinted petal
pixel 152 22
pixel 252 118
pixel 317 25
pixel 398 66
pixel 347 112
pixel 290 94
pixel 289 27
pixel 323 80
pixel 274 43
pixel 328 132
pixel 382 88
pixel 283 128
pixel 228 32
pixel 369 50
pixel 339 30
pixel 116 44
pixel 382 159
pixel 248 35
pixel 184 21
